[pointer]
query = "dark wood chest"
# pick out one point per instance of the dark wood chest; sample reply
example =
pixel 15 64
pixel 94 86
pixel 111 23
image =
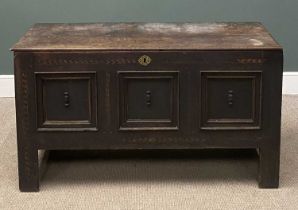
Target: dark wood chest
pixel 148 86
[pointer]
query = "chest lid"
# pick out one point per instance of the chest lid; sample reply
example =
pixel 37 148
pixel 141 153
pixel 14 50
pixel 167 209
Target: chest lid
pixel 145 36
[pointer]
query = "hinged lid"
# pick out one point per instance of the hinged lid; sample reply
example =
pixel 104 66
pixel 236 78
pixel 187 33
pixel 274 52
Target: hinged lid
pixel 146 36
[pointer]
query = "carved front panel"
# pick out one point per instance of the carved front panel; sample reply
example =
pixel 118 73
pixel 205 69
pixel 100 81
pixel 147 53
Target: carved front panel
pixel 230 100
pixel 66 100
pixel 148 100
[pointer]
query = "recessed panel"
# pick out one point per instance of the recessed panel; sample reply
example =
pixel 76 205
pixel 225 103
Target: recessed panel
pixel 148 100
pixel 66 100
pixel 230 100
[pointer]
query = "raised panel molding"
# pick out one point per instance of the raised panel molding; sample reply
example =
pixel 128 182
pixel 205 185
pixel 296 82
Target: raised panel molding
pixel 58 108
pixel 230 100
pixel 142 113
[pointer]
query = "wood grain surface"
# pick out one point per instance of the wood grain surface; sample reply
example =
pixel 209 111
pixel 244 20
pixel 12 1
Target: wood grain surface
pixel 146 36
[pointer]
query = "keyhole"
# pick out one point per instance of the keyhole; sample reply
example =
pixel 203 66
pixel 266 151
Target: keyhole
pixel 144 60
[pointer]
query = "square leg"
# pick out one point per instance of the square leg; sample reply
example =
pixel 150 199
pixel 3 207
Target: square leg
pixel 269 158
pixel 28 169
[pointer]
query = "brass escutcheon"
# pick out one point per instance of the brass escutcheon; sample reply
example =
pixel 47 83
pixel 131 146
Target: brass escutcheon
pixel 144 60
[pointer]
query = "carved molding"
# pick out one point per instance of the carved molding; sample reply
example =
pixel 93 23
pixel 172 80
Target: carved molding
pixel 25 126
pixel 160 140
pixel 251 60
pixel 88 61
pixel 107 103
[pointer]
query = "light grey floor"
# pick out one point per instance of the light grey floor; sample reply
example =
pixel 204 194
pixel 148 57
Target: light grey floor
pixel 199 183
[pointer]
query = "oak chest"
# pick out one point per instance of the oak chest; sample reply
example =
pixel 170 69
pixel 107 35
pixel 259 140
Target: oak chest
pixel 148 86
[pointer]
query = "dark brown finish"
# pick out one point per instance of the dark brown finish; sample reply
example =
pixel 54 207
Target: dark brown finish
pixel 123 86
pixel 66 100
pixel 230 100
pixel 148 100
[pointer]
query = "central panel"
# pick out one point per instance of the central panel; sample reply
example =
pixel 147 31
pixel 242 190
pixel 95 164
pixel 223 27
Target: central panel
pixel 148 100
